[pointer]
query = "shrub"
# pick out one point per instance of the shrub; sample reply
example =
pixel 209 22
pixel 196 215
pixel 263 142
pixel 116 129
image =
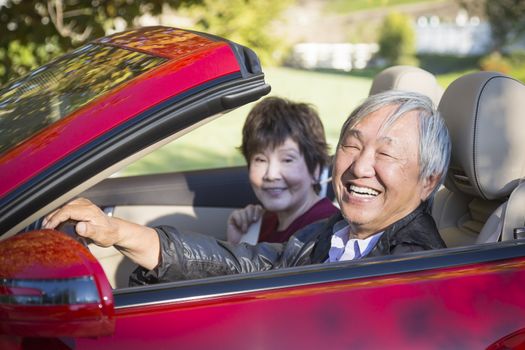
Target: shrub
pixel 246 22
pixel 495 62
pixel 397 41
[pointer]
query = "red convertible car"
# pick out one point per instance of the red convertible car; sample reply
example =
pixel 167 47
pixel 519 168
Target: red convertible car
pixel 69 125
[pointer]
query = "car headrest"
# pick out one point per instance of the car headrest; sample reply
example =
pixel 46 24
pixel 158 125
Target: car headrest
pixel 407 78
pixel 484 112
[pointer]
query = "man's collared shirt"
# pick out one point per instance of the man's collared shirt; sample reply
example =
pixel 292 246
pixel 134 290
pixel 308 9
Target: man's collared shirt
pixel 342 248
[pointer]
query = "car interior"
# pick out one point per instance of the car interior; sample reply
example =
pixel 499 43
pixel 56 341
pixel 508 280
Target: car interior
pixel 481 201
pixel 407 78
pixel 186 200
pixel 483 197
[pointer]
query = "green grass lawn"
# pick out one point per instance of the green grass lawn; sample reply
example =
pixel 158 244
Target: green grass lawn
pixel 346 6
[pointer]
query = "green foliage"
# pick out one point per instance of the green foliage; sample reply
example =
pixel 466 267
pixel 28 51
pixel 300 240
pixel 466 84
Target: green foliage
pixel 506 18
pixel 495 62
pixel 30 37
pixel 517 58
pixel 245 22
pixel 397 41
pixel 511 64
pixel 35 31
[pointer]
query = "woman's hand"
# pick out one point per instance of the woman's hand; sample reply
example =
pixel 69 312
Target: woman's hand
pixel 240 220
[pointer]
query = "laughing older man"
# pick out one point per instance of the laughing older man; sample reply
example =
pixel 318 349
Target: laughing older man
pixel 392 155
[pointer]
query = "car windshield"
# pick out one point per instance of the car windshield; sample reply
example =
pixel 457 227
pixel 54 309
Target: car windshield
pixel 58 89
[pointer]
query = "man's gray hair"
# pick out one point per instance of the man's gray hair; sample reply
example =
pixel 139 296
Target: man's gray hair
pixel 434 139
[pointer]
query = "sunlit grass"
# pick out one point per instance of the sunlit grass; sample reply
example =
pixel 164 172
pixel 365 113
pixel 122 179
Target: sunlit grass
pixel 445 79
pixel 345 6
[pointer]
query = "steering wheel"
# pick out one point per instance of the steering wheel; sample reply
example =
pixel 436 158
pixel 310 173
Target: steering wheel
pixel 68 227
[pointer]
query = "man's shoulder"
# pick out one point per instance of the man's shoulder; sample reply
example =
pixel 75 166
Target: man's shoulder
pixel 421 231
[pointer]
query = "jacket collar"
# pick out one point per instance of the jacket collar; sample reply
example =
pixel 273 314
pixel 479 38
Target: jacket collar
pixel 320 252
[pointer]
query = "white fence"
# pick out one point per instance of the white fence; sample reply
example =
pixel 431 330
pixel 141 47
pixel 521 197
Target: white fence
pixel 464 37
pixel 341 56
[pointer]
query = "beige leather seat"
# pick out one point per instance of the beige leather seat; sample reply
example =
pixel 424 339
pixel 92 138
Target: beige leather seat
pixel 485 115
pixel 407 78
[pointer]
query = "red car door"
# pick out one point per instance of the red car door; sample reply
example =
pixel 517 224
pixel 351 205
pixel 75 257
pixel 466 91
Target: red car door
pixel 454 299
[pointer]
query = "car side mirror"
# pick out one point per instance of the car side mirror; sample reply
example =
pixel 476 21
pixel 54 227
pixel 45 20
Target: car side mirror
pixel 51 286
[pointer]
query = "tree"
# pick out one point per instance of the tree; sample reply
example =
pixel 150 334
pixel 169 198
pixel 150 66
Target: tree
pixel 507 20
pixel 243 21
pixel 397 40
pixel 33 32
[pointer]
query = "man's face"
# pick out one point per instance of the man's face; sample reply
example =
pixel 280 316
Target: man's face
pixel 376 172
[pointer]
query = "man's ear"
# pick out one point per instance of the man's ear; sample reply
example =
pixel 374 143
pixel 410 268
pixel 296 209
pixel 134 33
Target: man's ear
pixel 429 183
pixel 316 175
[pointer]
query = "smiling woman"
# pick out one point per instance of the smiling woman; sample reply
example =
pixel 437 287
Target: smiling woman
pixel 285 147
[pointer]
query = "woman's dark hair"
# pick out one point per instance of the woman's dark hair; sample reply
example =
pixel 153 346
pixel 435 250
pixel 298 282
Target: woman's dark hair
pixel 274 119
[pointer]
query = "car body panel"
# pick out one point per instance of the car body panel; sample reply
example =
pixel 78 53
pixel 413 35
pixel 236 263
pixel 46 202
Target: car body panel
pixel 160 41
pixel 66 136
pixel 60 290
pixel 435 309
pixel 71 258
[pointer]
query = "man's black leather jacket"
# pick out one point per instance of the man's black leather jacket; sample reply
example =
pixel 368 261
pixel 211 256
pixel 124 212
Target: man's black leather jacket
pixel 191 255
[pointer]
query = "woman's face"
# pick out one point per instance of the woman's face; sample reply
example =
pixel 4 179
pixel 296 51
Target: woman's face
pixel 281 180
